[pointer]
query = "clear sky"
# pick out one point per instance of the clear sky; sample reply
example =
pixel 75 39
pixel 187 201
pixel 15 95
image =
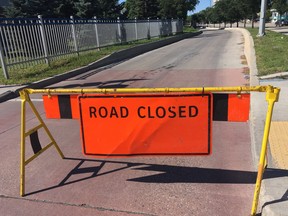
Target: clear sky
pixel 202 5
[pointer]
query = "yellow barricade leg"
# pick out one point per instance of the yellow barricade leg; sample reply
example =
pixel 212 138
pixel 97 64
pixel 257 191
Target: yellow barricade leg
pixel 272 96
pixel 22 156
pixel 23 162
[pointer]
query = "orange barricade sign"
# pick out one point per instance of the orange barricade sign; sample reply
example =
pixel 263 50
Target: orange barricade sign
pixel 122 125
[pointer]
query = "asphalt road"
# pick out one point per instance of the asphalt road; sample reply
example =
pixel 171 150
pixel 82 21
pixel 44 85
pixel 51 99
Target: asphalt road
pixel 220 184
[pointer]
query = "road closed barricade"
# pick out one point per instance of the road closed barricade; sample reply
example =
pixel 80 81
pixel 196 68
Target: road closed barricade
pixel 147 121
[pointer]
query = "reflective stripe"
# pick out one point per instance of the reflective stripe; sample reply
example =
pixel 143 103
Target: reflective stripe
pixel 65 106
pixel 61 106
pixel 231 107
pixel 220 107
pixel 226 107
pixel 35 143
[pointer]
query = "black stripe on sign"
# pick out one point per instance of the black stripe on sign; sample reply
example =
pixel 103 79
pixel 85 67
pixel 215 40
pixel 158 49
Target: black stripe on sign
pixel 65 106
pixel 220 107
pixel 34 139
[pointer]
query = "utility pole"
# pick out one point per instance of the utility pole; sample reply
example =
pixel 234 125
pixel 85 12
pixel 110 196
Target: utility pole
pixel 262 18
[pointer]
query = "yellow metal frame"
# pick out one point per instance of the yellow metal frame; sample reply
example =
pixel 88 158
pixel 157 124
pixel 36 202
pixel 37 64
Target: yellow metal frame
pixel 238 89
pixel 23 162
pixel 272 96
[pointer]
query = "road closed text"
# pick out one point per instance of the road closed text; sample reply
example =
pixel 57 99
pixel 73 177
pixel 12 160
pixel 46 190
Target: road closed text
pixel 146 124
pixel 144 112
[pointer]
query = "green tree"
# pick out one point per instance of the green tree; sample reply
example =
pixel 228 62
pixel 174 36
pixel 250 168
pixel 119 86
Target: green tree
pixel 235 11
pixel 194 19
pixel 99 8
pixel 87 8
pixel 231 11
pixel 214 17
pixel 204 16
pixel 221 7
pixel 65 8
pixel 167 9
pixel 142 9
pixel 251 8
pixel 2 12
pixel 108 8
pixel 32 8
pixel 176 8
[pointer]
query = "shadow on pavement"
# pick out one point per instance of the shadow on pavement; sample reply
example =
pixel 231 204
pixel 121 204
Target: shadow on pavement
pixel 210 35
pixel 169 174
pixel 108 84
pixel 274 173
pixel 282 199
pixel 205 35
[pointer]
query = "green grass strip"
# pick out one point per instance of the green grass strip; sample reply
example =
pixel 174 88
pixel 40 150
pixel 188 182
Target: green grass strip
pixel 271 52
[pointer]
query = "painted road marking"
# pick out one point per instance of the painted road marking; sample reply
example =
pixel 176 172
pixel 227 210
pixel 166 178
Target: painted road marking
pixel 19 100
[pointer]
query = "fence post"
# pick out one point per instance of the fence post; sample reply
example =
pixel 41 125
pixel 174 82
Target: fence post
pixel 119 30
pixel 136 29
pixel 158 22
pixel 96 32
pixel 74 34
pixel 2 58
pixel 148 35
pixel 172 23
pixel 43 36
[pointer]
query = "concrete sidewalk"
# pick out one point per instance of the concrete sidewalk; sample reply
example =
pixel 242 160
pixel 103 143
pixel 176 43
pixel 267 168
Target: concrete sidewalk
pixel 282 29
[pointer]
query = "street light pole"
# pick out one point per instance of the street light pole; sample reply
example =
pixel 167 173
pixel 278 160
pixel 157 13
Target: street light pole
pixel 262 18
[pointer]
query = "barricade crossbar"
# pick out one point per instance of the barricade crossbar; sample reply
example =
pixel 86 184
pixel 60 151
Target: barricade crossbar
pixel 272 96
pixel 238 89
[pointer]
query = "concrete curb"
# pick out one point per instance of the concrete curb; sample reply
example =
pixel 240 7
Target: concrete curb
pixel 249 52
pixel 256 126
pixel 8 95
pixel 283 75
pixel 113 58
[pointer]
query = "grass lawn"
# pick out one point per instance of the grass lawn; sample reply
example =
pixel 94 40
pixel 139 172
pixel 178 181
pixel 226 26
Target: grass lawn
pixel 271 52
